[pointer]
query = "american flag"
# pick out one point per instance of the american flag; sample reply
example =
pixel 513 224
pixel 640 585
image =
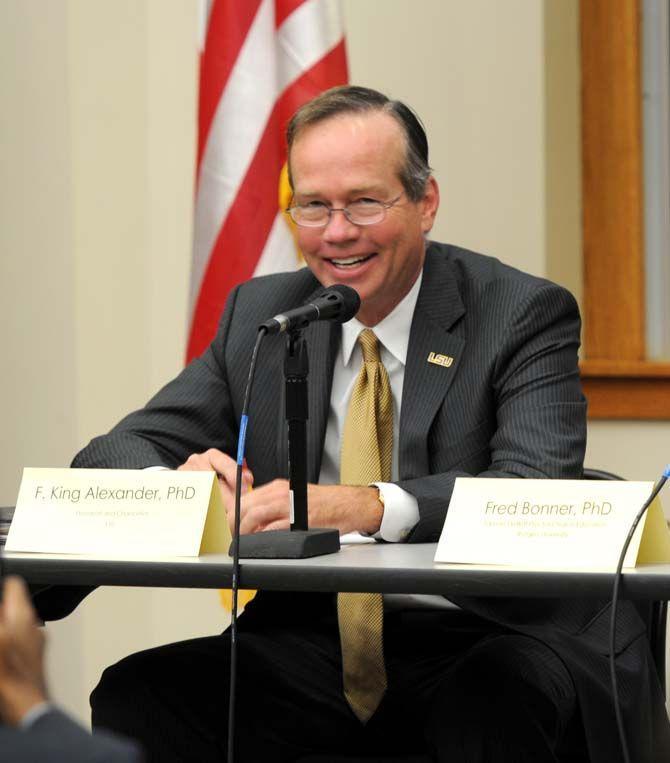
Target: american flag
pixel 260 61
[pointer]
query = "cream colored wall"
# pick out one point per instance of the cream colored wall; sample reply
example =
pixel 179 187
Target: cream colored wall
pixel 474 73
pixel 98 137
pixel 37 260
pixel 95 221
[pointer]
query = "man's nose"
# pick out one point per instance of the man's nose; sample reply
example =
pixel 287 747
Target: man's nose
pixel 339 228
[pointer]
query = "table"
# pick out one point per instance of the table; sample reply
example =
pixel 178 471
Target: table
pixel 384 568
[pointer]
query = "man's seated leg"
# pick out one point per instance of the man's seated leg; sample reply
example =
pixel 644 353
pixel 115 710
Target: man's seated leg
pixel 174 699
pixel 508 699
pixel 171 699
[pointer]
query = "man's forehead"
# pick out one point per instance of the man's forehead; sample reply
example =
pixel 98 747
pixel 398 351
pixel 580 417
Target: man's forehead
pixel 364 189
pixel 361 146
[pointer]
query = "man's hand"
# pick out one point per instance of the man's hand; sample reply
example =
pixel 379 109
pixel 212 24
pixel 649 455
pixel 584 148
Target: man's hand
pixel 347 508
pixel 226 470
pixel 22 682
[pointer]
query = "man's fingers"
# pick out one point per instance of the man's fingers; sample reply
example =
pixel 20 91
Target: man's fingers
pixel 279 524
pixel 222 464
pixel 264 506
pixel 196 462
pixel 267 507
pixel 226 467
pixel 227 494
pixel 17 610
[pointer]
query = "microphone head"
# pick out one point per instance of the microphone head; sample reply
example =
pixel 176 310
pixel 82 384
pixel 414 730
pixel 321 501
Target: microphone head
pixel 337 303
pixel 344 299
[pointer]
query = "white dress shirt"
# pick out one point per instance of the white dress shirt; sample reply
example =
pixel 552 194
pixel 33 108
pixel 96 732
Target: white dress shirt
pixel 401 511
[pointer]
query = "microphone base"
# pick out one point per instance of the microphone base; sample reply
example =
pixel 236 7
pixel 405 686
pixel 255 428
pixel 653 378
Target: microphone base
pixel 288 544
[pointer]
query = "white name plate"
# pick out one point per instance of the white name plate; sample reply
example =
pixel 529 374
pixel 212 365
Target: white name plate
pixel 119 513
pixel 551 524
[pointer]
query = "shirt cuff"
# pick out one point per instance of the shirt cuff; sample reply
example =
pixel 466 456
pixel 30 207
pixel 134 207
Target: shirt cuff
pixel 34 714
pixel 401 512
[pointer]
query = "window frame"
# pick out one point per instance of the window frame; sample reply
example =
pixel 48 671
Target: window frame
pixel 619 382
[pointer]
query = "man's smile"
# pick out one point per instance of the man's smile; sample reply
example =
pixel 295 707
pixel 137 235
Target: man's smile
pixel 350 263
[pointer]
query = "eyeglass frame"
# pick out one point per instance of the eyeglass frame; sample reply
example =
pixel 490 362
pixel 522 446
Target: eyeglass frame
pixel 386 205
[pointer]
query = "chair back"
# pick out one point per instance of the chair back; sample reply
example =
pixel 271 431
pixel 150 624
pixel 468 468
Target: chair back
pixel 653 613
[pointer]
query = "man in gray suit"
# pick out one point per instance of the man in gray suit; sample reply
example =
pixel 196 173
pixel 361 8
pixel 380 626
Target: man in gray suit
pixel 500 680
pixel 35 730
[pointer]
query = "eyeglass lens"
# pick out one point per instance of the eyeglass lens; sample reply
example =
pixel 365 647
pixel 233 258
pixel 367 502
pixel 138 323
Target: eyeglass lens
pixel 358 212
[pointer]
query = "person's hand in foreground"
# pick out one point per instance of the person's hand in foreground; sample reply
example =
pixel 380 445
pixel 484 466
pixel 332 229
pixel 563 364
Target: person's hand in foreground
pixel 22 682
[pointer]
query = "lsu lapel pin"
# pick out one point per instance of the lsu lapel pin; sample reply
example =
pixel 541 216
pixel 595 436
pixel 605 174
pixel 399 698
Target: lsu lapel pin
pixel 440 360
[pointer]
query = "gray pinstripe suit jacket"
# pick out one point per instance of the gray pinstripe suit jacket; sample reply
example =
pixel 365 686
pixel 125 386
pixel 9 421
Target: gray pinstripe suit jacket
pixel 510 404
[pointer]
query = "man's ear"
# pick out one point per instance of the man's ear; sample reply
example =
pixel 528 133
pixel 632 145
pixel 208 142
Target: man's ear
pixel 430 204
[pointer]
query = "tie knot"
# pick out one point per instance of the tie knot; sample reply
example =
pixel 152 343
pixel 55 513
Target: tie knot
pixel 369 346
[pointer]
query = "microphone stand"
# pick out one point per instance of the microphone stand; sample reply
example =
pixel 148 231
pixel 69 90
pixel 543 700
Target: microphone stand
pixel 296 369
pixel 299 542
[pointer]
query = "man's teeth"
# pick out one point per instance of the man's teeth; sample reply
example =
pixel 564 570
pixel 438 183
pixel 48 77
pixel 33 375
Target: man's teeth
pixel 349 261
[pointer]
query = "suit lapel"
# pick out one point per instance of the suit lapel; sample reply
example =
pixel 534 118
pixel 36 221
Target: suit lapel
pixel 323 341
pixel 426 383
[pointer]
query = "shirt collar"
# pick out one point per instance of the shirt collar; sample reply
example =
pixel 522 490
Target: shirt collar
pixel 392 331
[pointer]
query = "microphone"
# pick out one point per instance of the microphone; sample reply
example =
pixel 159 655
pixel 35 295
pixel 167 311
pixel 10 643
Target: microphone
pixel 337 303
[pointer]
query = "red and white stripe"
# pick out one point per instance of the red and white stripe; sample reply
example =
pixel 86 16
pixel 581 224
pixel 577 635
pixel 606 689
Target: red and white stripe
pixel 262 59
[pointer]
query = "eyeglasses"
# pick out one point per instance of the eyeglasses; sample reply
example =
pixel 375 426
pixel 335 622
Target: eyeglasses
pixel 316 214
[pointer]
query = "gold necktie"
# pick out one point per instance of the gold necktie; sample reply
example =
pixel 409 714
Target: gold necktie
pixel 367 448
